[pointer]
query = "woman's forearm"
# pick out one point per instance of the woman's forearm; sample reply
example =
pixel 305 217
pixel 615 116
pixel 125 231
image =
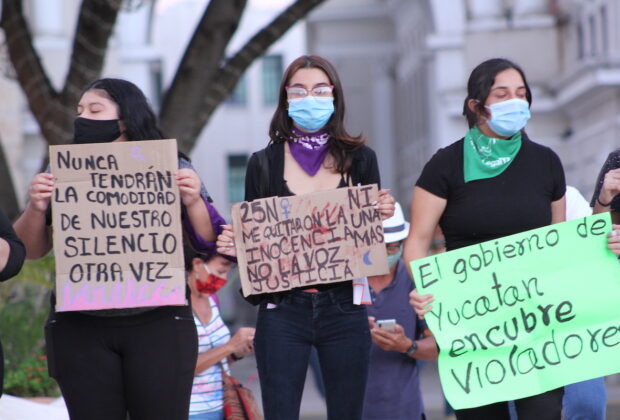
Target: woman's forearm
pixel 212 357
pixel 32 229
pixel 200 220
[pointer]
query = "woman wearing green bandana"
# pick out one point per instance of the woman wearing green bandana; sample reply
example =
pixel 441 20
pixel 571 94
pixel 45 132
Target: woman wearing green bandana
pixel 492 183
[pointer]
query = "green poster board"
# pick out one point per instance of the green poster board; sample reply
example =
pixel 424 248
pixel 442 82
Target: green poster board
pixel 526 313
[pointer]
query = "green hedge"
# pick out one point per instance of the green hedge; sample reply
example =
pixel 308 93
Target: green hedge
pixel 24 306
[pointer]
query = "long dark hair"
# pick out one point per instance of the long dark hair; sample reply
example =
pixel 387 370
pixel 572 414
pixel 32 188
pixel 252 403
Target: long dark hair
pixel 133 108
pixel 480 82
pixel 341 143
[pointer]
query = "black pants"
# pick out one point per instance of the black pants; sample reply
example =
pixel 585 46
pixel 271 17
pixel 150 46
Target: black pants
pixel 141 364
pixel 545 406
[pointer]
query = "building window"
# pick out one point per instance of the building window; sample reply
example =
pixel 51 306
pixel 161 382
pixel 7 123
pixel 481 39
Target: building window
pixel 236 177
pixel 157 84
pixel 592 26
pixel 604 30
pixel 272 73
pixel 239 95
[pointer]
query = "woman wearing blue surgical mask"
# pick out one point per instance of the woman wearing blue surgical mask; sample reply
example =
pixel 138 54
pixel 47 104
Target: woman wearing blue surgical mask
pixel 492 183
pixel 310 150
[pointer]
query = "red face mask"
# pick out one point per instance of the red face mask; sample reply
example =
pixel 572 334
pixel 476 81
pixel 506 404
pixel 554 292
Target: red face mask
pixel 211 285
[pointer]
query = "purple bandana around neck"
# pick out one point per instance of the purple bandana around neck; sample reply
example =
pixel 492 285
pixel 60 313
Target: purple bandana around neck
pixel 309 149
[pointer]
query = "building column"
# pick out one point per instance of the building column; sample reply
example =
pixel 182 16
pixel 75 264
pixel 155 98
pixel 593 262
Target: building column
pixel 383 118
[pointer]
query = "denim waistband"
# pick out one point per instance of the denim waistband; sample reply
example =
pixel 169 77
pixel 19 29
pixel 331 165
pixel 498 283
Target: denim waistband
pixel 341 293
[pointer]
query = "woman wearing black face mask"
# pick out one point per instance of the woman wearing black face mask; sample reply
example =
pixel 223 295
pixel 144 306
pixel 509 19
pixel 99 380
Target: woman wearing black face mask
pixel 136 360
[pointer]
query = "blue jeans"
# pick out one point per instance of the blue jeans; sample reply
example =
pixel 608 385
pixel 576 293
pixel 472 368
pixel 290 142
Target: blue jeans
pixel 212 415
pixel 338 329
pixel 585 400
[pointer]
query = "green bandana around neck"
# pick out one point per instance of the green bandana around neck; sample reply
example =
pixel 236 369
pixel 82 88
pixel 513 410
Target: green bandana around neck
pixel 486 157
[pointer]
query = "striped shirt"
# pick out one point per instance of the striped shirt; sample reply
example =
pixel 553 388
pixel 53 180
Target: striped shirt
pixel 207 391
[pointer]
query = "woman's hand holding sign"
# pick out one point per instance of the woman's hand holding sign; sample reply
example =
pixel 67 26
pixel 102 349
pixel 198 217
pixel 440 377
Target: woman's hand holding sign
pixel 189 186
pixel 420 302
pixel 226 242
pixel 385 204
pixel 40 191
pixel 613 241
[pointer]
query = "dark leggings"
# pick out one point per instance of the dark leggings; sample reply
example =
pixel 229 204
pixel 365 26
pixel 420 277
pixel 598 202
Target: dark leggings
pixel 545 406
pixel 140 364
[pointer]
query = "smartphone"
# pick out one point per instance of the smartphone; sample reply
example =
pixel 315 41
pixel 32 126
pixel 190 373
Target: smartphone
pixel 386 324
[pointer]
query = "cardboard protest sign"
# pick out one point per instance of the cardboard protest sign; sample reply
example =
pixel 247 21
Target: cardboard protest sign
pixel 117 225
pixel 318 238
pixel 526 313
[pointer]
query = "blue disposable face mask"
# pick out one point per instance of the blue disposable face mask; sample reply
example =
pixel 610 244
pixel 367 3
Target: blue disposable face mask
pixel 393 258
pixel 311 113
pixel 508 117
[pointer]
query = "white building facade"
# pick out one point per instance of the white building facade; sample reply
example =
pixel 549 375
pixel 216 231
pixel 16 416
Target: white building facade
pixel 405 64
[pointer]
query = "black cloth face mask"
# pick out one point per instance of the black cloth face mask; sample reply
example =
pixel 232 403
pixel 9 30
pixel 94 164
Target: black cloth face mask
pixel 95 131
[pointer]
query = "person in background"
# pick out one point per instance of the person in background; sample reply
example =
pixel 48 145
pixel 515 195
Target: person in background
pixel 393 388
pixel 470 189
pixel 216 347
pixel 310 150
pixel 12 254
pixel 130 360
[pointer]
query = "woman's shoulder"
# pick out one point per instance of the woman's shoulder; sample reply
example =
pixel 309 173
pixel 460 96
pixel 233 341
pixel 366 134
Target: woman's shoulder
pixel 363 154
pixel 450 152
pixel 538 148
pixel 364 164
pixel 364 151
pixel 271 151
pixel 614 158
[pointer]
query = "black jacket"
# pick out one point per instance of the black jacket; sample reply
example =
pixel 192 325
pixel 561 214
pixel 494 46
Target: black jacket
pixel 265 178
pixel 261 182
